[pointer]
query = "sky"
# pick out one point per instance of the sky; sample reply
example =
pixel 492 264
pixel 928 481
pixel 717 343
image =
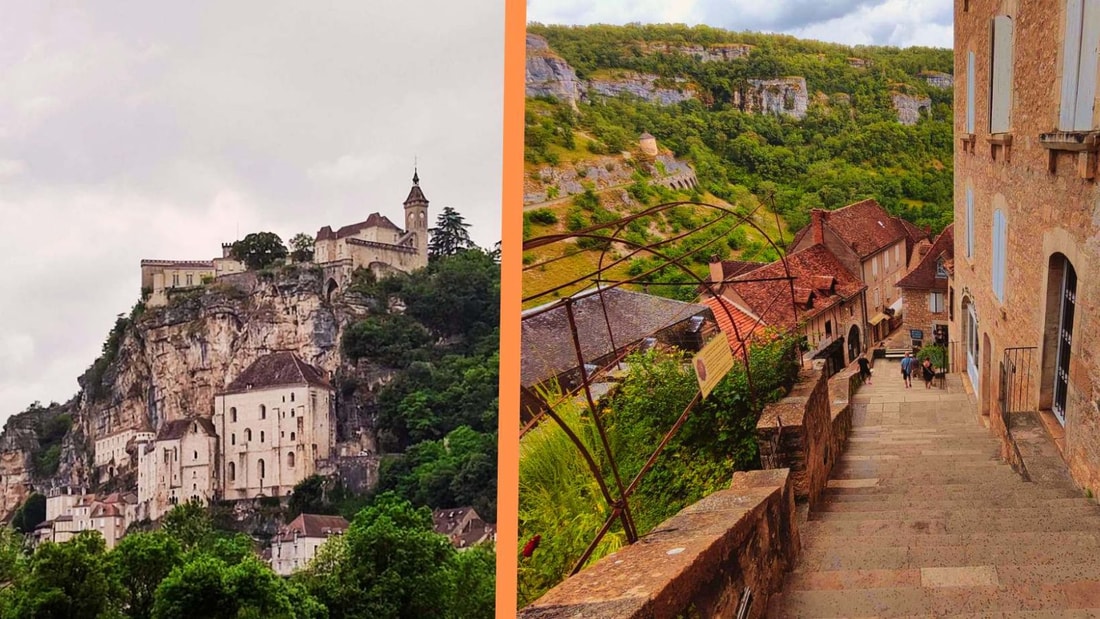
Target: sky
pixel 131 131
pixel 901 23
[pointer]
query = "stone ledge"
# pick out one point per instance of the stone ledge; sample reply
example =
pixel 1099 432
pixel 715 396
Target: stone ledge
pixel 698 561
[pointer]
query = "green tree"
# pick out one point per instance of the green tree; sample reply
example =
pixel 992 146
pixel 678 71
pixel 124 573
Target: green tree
pixel 450 234
pixel 475 582
pixel 139 563
pixel 66 580
pixel 312 495
pixel 301 247
pixel 30 514
pixel 259 250
pixel 392 340
pixel 189 524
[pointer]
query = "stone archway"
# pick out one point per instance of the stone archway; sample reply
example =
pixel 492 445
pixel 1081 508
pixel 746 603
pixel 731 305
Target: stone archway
pixel 1057 344
pixel 854 343
pixel 330 289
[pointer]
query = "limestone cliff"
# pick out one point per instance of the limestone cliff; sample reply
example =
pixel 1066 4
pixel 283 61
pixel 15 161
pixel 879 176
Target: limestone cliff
pixel 909 107
pixel 651 88
pixel 167 363
pixel 717 52
pixel 548 74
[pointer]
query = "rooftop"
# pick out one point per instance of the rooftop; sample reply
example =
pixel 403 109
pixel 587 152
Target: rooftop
pixel 279 369
pixel 313 525
pixel 865 227
pixel 923 276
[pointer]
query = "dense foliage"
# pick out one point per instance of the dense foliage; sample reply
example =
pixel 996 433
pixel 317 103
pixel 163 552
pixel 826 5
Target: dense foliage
pixel 437 419
pixel 848 147
pixel 389 565
pixel 260 250
pixel 450 235
pixel 559 499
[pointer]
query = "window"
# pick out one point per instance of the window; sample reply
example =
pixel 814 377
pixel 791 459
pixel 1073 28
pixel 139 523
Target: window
pixel 189 279
pixel 935 303
pixel 260 466
pixel 970 92
pixel 175 279
pixel 874 267
pixel 233 439
pixel 263 412
pixel 886 261
pixel 292 436
pixel 829 329
pixel 233 414
pixel 1000 236
pixel 876 297
pixel 897 253
pixel 195 456
pixel 969 222
pixel 261 436
pixel 292 412
pixel 1000 99
pixel 1079 64
pixel 247 435
pixel 290 459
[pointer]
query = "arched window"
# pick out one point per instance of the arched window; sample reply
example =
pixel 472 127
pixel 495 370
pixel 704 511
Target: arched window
pixel 233 439
pixel 292 436
pixel 291 396
pixel 247 434
pixel 232 471
pixel 263 412
pixel 290 459
pixel 261 467
pixel 195 456
pixel 233 414
pixel 261 436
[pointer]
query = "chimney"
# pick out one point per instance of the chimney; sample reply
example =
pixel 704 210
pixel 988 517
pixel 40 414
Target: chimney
pixel 817 222
pixel 716 274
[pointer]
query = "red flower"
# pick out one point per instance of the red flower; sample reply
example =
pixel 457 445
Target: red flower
pixel 531 545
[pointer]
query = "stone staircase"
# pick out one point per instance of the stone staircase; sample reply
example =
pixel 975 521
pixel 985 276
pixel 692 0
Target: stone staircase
pixel 921 518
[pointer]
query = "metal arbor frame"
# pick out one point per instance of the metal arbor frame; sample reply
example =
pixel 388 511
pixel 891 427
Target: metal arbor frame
pixel 618 501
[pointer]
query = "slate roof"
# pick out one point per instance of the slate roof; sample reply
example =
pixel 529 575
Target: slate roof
pixel 278 369
pixel 106 510
pixel 865 227
pixel 375 220
pixel 811 267
pixel 463 531
pixel 547 345
pixel 175 429
pixel 923 276
pixel 313 525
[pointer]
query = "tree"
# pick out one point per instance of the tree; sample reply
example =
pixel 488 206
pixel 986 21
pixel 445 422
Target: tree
pixel 139 563
pixel 475 578
pixel 310 496
pixel 259 250
pixel 390 339
pixel 189 524
pixel 30 514
pixel 450 234
pixel 66 580
pixel 301 247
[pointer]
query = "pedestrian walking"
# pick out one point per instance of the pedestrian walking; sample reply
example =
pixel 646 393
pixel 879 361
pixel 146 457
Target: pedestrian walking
pixel 928 372
pixel 864 368
pixel 907 369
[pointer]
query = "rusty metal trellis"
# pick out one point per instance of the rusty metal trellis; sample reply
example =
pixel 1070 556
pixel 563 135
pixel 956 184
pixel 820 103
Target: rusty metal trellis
pixel 619 501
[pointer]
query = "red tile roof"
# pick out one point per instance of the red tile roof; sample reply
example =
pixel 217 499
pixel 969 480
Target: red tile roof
pixel 923 276
pixel 811 269
pixel 177 428
pixel 865 227
pixel 747 325
pixel 374 221
pixel 277 370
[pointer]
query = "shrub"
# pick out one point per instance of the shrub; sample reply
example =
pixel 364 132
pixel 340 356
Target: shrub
pixel 542 216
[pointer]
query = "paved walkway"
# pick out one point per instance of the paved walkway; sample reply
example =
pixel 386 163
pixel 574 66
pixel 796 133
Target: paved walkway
pixel 921 518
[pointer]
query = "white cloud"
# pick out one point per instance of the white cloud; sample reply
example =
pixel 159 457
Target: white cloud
pixel 11 168
pixel 346 168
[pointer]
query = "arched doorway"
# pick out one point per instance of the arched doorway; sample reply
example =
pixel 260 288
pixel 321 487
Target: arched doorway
pixel 854 349
pixel 970 341
pixel 330 289
pixel 1061 306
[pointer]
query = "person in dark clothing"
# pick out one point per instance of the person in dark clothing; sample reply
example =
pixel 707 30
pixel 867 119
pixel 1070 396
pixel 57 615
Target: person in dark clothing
pixel 928 373
pixel 864 369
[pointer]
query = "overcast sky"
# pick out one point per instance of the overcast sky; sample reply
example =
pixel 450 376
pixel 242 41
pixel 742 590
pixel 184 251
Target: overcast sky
pixel 853 22
pixel 133 130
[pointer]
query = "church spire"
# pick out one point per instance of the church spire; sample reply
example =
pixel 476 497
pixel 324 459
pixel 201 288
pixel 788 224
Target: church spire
pixel 416 177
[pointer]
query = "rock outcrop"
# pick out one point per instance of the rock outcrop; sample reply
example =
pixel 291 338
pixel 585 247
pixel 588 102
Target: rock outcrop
pixel 785 95
pixel 719 52
pixel 602 173
pixel 548 74
pixel 909 107
pixel 171 361
pixel 652 88
pixel 938 79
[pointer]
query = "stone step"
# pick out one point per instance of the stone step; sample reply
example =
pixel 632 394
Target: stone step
pixel 1090 539
pixel 972 488
pixel 933 601
pixel 922 475
pixel 952 524
pixel 887 503
pixel 827 558
pixel 965 513
pixel 965 493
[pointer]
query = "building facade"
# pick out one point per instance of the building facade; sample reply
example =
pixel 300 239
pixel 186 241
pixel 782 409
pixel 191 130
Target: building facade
pixel 179 466
pixel 873 245
pixel 1025 210
pixel 274 423
pixel 927 292
pixel 296 544
pixel 379 244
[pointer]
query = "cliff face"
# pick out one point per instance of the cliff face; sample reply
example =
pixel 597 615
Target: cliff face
pixel 909 107
pixel 171 361
pixel 603 173
pixel 719 52
pixel 548 74
pixel 785 95
pixel 651 88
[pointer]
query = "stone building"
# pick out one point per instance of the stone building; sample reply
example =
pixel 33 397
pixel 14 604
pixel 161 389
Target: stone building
pixel 463 526
pixel 160 276
pixel 113 450
pixel 926 291
pixel 296 544
pixel 828 306
pixel 871 244
pixel 1025 206
pixel 68 514
pixel 180 465
pixel 274 423
pixel 379 244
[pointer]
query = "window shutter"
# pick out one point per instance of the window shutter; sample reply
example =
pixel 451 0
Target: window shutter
pixel 969 222
pixel 1086 76
pixel 999 238
pixel 1071 53
pixel 1001 84
pixel 970 91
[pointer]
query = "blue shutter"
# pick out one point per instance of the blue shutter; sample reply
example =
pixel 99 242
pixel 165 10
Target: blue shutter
pixel 999 251
pixel 970 92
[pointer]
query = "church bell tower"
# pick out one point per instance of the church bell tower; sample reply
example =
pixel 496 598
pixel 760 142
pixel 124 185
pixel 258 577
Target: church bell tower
pixel 416 219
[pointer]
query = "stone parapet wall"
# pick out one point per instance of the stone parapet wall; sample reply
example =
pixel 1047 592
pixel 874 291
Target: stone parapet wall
pixel 797 433
pixel 695 564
